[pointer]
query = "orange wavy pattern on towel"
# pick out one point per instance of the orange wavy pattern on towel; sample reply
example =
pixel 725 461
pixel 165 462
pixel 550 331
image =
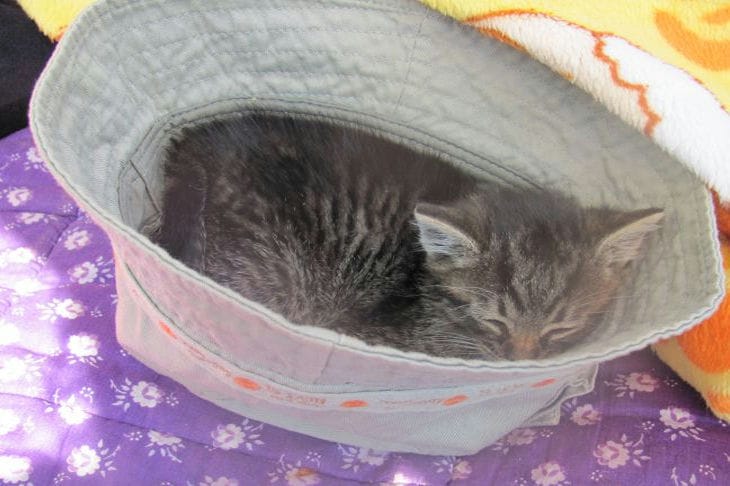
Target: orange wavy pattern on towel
pixel 652 118
pixel 708 53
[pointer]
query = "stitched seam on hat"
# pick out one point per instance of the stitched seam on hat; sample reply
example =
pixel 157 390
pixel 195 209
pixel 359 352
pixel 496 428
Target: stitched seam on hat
pixel 273 51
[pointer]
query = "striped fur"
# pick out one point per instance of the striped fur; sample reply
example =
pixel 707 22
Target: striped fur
pixel 339 228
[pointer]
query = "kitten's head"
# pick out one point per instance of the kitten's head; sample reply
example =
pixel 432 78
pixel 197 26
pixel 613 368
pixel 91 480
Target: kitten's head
pixel 531 273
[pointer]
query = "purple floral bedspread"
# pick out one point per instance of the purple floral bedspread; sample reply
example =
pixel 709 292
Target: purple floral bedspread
pixel 76 409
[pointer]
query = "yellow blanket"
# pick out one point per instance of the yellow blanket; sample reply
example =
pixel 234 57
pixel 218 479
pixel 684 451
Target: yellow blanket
pixel 661 65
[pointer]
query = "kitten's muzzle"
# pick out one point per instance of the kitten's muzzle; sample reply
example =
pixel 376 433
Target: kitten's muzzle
pixel 522 345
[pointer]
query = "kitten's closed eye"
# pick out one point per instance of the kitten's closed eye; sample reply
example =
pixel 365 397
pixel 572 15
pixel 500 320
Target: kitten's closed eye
pixel 557 332
pixel 497 327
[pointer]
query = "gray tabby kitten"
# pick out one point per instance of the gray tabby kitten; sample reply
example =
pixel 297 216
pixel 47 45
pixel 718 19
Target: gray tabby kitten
pixel 334 227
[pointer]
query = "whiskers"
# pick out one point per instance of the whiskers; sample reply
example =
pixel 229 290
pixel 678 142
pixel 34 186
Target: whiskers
pixel 446 343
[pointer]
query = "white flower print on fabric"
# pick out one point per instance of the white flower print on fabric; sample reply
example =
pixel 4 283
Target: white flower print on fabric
pixel 301 476
pixel 707 471
pixel 64 308
pixel 166 445
pixel 548 474
pixel 678 481
pixel 462 470
pixel 221 481
pixel 517 437
pixel 29 425
pixel 29 218
pixel 60 478
pixel 86 461
pixel 82 216
pixel 670 382
pixel 83 461
pixel 17 369
pixel 134 436
pixel 84 348
pixel 9 421
pixel 33 161
pixel 9 333
pixel 596 476
pixel 87 392
pixel 294 474
pixel 96 312
pixel 228 436
pixel 70 413
pixel 355 457
pixel 585 415
pixel 643 382
pixel 679 423
pixel 615 454
pixel 313 457
pixel 27 286
pixel 142 393
pixel 17 196
pixel 83 273
pixel 15 469
pixel 70 208
pixel 68 409
pixel 456 467
pixel 17 256
pixel 101 270
pixel 371 457
pixel 232 436
pixel 77 240
pixel 629 385
pixel 12 369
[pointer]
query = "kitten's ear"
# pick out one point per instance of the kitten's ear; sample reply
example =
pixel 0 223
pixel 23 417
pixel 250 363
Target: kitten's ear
pixel 625 244
pixel 440 236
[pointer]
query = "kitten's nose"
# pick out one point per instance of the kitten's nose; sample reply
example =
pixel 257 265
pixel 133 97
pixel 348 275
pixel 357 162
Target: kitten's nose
pixel 523 346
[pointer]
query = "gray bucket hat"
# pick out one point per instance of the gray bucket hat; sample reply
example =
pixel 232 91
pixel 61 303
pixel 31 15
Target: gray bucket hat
pixel 128 74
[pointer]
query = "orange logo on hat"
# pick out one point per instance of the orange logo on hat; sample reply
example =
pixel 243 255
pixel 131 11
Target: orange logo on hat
pixel 246 383
pixel 166 329
pixel 454 400
pixel 354 404
pixel 542 383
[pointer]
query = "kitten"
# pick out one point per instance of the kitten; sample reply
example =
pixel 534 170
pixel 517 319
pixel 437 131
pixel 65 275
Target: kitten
pixel 334 227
